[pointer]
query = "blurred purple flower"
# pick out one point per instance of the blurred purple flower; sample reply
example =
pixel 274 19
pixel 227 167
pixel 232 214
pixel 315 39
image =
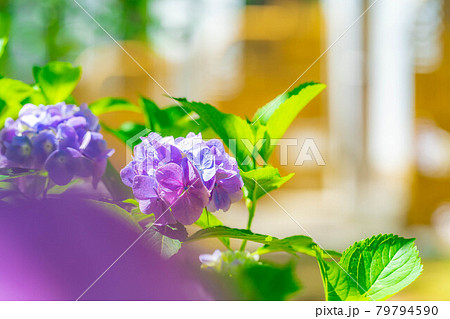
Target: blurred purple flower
pixel 61 138
pixel 54 249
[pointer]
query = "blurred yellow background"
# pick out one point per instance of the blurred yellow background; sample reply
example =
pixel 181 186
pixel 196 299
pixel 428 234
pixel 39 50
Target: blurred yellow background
pixel 382 125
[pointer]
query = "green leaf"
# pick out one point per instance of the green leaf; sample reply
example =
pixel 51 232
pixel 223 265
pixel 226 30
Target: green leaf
pixel 267 179
pixel 232 129
pixel 11 173
pixel 162 240
pixel 258 282
pixel 264 113
pixel 292 245
pixel 223 231
pixel 279 114
pixel 36 98
pixel 111 104
pixel 156 239
pixel 207 220
pixel 2 107
pixel 113 183
pixel 3 43
pixel 57 80
pixel 131 201
pixel 182 127
pixel 14 91
pixel 373 269
pixel 154 117
pixel 5 23
pixel 143 219
pixel 174 114
pixel 249 279
pixel 296 244
pixel 171 121
pixel 117 213
pixel 338 286
pixel 57 189
pixel 12 94
pixel 127 131
pixel 163 245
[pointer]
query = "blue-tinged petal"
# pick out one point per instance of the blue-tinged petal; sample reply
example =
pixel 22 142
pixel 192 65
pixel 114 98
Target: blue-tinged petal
pixel 159 208
pixel 79 124
pixel 43 145
pixel 127 174
pixel 62 165
pixel 190 172
pixel 170 180
pixel 188 208
pixel 94 146
pixel 19 150
pixel 144 187
pixel 91 119
pixel 219 200
pixel 172 230
pixel 67 137
pixel 99 167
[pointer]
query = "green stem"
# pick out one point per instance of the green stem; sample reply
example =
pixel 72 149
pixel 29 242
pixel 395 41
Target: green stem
pixel 47 187
pixel 251 207
pixel 207 217
pixel 323 272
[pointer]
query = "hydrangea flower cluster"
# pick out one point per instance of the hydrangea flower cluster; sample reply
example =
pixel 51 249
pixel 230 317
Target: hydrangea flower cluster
pixel 175 179
pixel 61 138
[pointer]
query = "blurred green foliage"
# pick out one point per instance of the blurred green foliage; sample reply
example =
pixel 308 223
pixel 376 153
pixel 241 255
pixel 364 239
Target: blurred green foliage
pixel 47 30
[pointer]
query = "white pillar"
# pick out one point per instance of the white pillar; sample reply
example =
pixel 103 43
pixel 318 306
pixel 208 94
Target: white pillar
pixel 390 115
pixel 345 79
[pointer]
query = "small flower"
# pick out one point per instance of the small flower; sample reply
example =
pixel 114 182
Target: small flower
pixel 212 260
pixel 19 150
pixel 63 165
pixel 43 144
pixel 228 262
pixel 61 138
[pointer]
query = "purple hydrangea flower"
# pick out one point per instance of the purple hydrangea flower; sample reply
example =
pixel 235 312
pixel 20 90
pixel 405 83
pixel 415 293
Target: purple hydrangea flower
pixel 182 188
pixel 61 138
pixel 175 179
pixel 220 172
